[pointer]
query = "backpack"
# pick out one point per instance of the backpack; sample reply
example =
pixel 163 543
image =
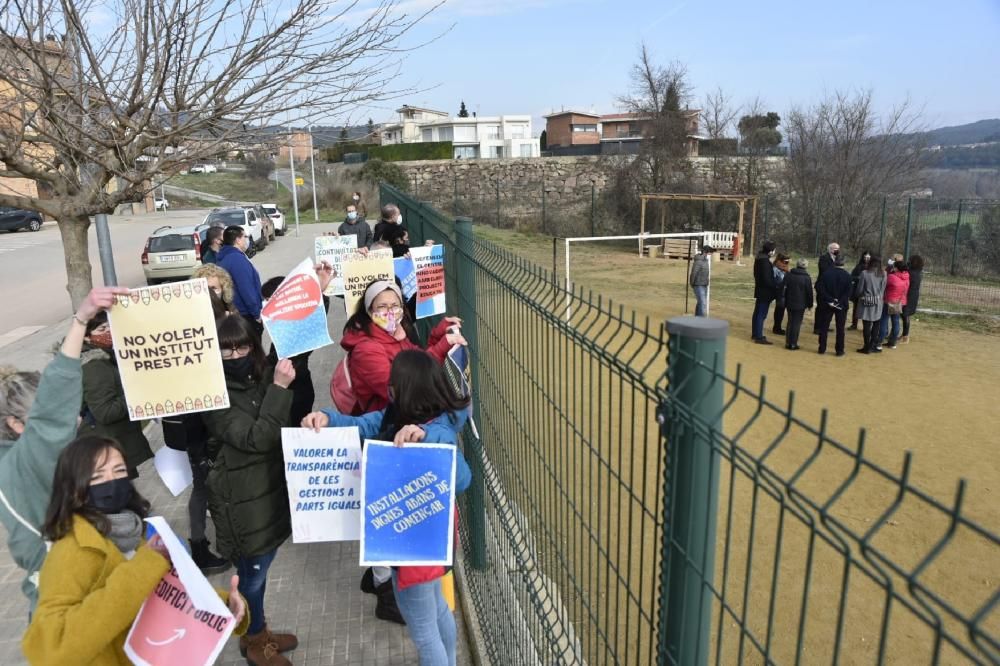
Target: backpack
pixel 342 389
pixel 183 431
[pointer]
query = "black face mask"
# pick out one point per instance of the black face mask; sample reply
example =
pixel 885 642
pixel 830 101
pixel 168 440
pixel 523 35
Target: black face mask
pixel 399 251
pixel 238 368
pixel 110 496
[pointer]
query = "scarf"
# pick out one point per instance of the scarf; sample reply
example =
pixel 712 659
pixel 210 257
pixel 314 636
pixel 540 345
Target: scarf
pixel 126 530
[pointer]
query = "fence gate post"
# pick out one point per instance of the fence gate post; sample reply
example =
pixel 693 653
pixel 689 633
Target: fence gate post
pixel 881 231
pixel 476 514
pixel 593 202
pixel 767 198
pixel 954 242
pixel 909 229
pixel 690 418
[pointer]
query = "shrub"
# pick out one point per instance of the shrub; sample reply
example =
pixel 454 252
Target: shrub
pixel 401 152
pixel 259 167
pixel 376 171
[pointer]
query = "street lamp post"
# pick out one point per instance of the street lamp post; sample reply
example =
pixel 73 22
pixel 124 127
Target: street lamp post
pixel 312 164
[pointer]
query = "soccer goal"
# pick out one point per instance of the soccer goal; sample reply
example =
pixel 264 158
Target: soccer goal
pixel 684 245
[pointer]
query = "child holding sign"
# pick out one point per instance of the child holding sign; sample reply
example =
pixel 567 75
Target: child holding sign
pixel 100 569
pixel 423 408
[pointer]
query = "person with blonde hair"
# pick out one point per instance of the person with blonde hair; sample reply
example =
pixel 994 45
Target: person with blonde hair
pixel 39 415
pixel 219 281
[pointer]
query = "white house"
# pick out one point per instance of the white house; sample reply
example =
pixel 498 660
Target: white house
pixel 473 137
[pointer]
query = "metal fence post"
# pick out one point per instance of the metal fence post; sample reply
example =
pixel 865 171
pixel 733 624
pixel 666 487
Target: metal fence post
pixel 498 198
pixel 690 418
pixel 954 242
pixel 543 205
pixel 105 250
pixel 593 201
pixel 476 507
pixel 881 232
pixel 909 227
pixel 454 207
pixel 767 197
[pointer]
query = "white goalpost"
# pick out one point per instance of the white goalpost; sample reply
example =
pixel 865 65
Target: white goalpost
pixel 718 240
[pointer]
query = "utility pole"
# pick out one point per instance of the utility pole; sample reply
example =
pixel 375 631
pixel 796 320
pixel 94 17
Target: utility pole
pixel 312 164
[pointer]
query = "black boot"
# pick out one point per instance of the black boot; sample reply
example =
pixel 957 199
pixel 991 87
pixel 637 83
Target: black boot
pixel 368 581
pixel 386 608
pixel 207 561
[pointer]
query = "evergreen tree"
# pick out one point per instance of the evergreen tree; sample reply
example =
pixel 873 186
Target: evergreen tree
pixel 543 140
pixel 343 134
pixel 463 112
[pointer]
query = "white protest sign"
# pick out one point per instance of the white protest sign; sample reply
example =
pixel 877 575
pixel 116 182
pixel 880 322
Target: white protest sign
pixel 183 621
pixel 174 469
pixel 333 249
pixel 323 472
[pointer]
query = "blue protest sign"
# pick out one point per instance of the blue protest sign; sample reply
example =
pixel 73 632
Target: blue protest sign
pixel 294 316
pixel 408 515
pixel 407 274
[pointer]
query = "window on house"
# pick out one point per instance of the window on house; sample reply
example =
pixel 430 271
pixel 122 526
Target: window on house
pixel 497 151
pixel 518 131
pixel 465 133
pixel 445 134
pixel 525 150
pixel 493 132
pixel 466 152
pixel 428 135
pixel 584 128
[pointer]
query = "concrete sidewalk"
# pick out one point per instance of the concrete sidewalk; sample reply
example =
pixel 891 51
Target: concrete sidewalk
pixel 312 589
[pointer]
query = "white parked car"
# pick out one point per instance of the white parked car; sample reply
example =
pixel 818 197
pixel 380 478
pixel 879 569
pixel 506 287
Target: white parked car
pixel 209 168
pixel 276 216
pixel 244 217
pixel 197 168
pixel 162 204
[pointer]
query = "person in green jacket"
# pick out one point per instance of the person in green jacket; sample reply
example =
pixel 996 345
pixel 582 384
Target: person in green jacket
pixel 39 415
pixel 105 409
pixel 247 493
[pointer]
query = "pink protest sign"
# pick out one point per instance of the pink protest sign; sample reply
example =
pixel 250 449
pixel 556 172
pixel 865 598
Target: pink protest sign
pixel 170 630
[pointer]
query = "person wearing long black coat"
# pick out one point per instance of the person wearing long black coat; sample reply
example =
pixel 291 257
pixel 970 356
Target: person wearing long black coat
pixel 913 294
pixel 833 296
pixel 764 291
pixel 798 299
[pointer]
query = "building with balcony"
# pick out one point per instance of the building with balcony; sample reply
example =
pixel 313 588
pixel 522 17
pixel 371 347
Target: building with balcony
pixel 572 128
pixel 473 137
pixel 622 132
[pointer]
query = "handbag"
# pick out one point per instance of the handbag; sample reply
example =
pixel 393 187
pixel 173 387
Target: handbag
pixel 895 307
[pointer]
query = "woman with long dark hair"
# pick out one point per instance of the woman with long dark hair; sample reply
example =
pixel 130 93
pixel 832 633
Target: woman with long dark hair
pixel 855 278
pixel 916 265
pixel 379 330
pixel 100 569
pixel 247 494
pixel 423 408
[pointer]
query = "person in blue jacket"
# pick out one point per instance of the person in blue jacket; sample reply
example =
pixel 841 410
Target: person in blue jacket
pixel 246 279
pixel 423 408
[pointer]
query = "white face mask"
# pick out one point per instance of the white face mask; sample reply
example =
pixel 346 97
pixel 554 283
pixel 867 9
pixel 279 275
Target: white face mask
pixel 352 215
pixel 399 219
pixel 357 198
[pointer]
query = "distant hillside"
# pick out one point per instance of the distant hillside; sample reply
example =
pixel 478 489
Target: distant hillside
pixel 977 132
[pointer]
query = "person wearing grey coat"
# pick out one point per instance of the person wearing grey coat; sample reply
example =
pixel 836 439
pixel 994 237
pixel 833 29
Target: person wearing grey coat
pixel 869 291
pixel 701 273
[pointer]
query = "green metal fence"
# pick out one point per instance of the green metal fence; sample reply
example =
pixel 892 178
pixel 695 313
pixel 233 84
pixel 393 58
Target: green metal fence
pixel 636 502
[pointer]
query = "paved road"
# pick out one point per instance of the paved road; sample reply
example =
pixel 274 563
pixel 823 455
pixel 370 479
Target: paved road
pixel 33 271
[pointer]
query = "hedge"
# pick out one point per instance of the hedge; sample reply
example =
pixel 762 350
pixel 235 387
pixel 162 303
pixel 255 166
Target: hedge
pixel 403 152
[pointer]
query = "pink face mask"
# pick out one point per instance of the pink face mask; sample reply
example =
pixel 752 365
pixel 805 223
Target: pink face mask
pixel 387 321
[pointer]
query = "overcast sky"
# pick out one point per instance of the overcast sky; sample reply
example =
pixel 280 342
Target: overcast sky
pixel 533 56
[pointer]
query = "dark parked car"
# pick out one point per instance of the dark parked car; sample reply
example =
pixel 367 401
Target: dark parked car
pixel 12 219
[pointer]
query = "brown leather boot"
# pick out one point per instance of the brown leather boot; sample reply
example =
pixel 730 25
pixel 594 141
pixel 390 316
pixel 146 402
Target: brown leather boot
pixel 283 642
pixel 261 651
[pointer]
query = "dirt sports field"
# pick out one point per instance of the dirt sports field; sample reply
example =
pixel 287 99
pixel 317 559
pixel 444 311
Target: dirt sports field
pixel 937 397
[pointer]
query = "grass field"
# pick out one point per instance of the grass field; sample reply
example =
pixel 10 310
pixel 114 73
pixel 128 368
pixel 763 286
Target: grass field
pixel 935 397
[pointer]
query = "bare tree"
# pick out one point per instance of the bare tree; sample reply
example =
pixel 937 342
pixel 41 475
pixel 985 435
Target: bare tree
pixel 718 116
pixel 844 157
pixel 100 98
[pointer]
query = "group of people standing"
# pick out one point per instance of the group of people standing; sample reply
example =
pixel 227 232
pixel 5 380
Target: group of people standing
pixel 69 481
pixel 884 298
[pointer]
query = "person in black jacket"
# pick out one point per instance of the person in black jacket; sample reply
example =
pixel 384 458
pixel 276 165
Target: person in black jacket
pixel 826 262
pixel 764 291
pixel 833 295
pixel 391 217
pixel 798 299
pixel 912 295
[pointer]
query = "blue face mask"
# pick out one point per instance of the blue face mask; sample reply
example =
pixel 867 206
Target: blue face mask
pixel 352 216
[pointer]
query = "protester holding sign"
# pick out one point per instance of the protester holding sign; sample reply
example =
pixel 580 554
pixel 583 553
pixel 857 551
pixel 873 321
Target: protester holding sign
pixel 105 410
pixel 100 569
pixel 247 494
pixel 219 282
pixel 424 408
pixel 38 417
pixel 379 330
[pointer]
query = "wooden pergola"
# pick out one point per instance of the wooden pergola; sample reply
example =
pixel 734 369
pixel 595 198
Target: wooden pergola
pixel 741 200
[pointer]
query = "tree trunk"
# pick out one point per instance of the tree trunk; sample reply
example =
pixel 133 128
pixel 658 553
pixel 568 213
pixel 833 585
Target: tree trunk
pixel 76 252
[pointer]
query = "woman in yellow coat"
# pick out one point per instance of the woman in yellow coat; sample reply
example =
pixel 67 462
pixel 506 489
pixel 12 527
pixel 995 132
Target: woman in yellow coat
pixel 100 569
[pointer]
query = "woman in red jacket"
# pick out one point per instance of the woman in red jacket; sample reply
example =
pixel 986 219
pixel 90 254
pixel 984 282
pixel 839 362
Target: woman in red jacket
pixel 379 329
pixel 896 286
